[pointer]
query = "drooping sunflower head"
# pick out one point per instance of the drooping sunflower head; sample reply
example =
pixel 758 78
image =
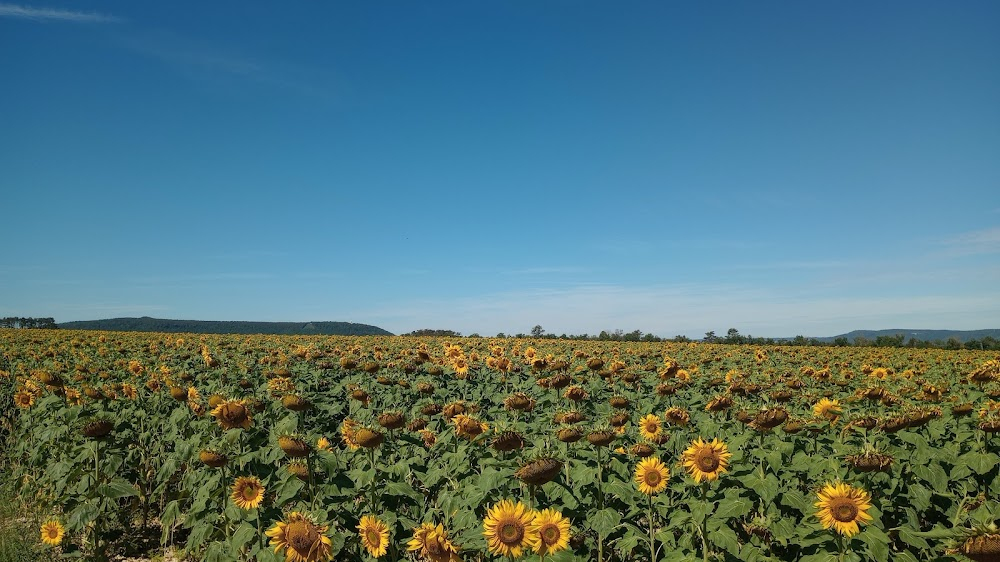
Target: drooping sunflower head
pixel 52 532
pixel 651 476
pixel 842 507
pixel 248 492
pixel 468 426
pixel 509 528
pixel 677 416
pixel 706 460
pixel 431 543
pixel 301 539
pixel 552 532
pixel 348 433
pixel 232 414
pixel 374 535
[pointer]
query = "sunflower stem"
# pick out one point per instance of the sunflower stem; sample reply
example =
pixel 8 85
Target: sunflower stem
pixel 652 541
pixel 704 522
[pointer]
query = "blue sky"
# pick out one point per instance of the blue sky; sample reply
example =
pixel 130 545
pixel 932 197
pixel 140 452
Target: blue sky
pixel 779 167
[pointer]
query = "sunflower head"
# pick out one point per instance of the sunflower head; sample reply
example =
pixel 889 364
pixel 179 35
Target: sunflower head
pixel 301 538
pixel 24 399
pixel 295 403
pixel 651 476
pixel 551 531
pixel 232 414
pixel 248 492
pixel 842 507
pixel 706 460
pixel 539 471
pixel 508 528
pixel 374 535
pixel 431 543
pixel 650 426
pixel 294 445
pixel 52 532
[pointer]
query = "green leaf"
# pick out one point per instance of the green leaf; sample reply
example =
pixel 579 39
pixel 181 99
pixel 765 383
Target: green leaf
pixel 244 534
pixel 730 508
pixel 910 537
pixel 605 521
pixel 981 463
pixel 877 541
pixel 117 488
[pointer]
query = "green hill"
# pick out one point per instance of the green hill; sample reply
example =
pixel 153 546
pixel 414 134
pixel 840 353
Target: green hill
pixel 924 335
pixel 147 324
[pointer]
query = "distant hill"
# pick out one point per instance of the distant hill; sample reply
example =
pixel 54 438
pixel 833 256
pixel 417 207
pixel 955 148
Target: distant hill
pixel 925 335
pixel 147 324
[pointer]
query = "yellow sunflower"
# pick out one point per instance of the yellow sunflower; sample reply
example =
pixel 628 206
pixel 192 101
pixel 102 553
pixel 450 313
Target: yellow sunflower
pixel 347 432
pixel 651 476
pixel 431 543
pixel 52 532
pixel 323 444
pixel 24 399
pixel 552 532
pixel 829 409
pixel 706 461
pixel 232 414
pixel 650 426
pixel 374 535
pixel 509 528
pixel 248 492
pixel 842 507
pixel 469 427
pixel 301 538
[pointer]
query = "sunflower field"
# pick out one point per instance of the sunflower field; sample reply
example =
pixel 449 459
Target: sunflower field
pixel 295 448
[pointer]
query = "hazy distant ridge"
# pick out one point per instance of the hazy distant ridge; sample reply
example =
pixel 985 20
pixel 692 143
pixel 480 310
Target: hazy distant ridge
pixel 925 335
pixel 147 324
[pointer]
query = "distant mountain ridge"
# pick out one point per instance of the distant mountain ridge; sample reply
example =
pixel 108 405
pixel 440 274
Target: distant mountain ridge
pixel 925 335
pixel 147 324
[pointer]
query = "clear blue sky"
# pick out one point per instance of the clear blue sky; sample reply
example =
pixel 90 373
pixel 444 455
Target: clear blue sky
pixel 779 167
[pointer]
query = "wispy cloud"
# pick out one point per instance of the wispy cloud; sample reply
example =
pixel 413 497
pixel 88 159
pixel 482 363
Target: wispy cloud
pixel 191 54
pixel 207 59
pixel 48 14
pixel 976 242
pixel 685 309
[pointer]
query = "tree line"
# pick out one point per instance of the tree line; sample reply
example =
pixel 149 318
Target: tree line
pixel 734 337
pixel 18 322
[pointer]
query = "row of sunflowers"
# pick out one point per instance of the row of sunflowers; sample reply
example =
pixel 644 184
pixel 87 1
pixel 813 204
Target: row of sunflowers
pixel 361 448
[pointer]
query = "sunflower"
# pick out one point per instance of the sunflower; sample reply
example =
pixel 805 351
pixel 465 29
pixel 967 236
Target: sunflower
pixel 248 492
pixel 651 476
pixel 829 409
pixel 705 461
pixel 347 432
pixel 432 544
pixel 52 532
pixel 469 427
pixel 650 426
pixel 374 535
pixel 301 538
pixel 323 444
pixel 24 399
pixel 842 507
pixel 552 532
pixel 677 416
pixel 232 414
pixel 509 529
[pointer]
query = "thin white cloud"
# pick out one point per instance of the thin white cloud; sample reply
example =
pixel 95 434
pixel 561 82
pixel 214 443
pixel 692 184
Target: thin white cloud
pixel 976 242
pixel 691 310
pixel 48 14
pixel 209 60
